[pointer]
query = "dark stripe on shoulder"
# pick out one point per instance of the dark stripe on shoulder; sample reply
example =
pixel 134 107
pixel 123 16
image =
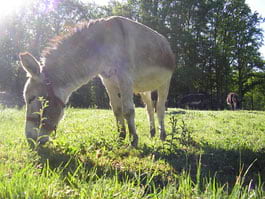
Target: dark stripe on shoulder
pixel 121 26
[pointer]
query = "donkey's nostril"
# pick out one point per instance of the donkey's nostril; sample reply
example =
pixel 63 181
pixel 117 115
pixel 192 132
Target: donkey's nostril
pixel 43 139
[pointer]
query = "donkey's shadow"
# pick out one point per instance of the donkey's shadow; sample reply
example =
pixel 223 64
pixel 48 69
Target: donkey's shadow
pixel 58 160
pixel 226 166
pixel 223 165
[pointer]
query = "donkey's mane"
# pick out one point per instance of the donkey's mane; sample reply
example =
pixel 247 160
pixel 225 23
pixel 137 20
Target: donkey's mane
pixel 59 45
pixel 64 54
pixel 58 40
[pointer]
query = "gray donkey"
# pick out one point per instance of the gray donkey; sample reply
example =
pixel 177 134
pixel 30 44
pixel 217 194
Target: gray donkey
pixel 128 56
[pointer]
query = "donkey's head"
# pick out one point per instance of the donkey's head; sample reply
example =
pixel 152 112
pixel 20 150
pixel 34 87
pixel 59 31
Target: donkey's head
pixel 43 108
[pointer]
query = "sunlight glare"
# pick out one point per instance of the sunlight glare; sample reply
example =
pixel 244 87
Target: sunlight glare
pixel 9 7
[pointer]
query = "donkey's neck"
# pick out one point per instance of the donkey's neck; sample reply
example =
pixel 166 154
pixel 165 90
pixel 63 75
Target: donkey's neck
pixel 74 59
pixel 65 82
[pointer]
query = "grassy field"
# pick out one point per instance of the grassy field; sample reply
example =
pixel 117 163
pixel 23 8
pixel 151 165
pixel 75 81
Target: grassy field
pixel 207 154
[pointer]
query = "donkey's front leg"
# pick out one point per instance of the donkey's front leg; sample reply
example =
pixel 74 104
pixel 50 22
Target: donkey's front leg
pixel 129 115
pixel 116 105
pixel 126 91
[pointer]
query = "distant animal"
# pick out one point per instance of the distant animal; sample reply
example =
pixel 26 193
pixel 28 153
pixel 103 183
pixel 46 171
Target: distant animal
pixel 195 101
pixel 128 56
pixel 233 100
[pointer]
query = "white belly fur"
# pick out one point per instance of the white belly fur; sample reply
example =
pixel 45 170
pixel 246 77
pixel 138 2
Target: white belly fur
pixel 149 80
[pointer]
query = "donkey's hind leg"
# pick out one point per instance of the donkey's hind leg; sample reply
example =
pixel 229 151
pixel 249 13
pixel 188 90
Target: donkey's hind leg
pixel 162 98
pixel 116 105
pixel 146 96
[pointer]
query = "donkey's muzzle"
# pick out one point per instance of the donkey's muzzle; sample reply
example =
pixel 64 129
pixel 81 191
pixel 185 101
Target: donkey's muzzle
pixel 35 139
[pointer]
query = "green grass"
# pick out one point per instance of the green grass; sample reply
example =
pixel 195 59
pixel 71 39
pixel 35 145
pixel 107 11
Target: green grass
pixel 207 154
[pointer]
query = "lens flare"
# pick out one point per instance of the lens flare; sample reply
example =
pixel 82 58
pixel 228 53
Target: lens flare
pixel 10 7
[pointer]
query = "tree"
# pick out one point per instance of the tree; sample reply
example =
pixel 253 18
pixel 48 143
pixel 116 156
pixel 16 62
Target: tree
pixel 216 44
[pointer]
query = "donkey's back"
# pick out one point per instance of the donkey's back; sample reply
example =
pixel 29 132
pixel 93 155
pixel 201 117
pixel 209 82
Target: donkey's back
pixel 147 46
pixel 141 51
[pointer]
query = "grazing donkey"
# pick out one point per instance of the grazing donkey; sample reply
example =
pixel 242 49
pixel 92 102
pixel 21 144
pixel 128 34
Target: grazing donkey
pixel 195 101
pixel 233 100
pixel 128 56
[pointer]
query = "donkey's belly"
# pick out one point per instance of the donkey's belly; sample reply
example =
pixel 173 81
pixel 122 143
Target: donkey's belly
pixel 151 78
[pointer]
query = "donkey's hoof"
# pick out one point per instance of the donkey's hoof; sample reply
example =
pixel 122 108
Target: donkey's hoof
pixel 134 143
pixel 122 135
pixel 152 133
pixel 163 136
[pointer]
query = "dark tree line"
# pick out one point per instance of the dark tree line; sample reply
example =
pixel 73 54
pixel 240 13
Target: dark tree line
pixel 216 43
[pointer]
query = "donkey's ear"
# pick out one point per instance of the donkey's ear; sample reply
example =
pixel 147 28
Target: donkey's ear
pixel 30 65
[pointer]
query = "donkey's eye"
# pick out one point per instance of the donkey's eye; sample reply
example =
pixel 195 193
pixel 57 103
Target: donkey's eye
pixel 31 99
